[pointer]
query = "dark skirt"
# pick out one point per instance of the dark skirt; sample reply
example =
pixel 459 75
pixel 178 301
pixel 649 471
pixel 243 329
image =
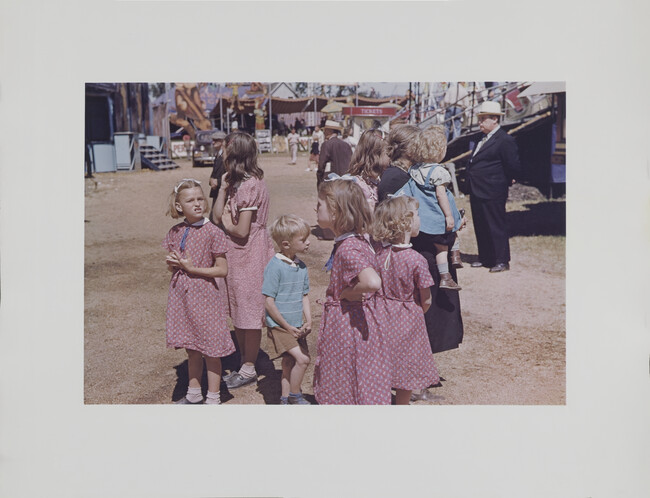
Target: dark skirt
pixel 444 320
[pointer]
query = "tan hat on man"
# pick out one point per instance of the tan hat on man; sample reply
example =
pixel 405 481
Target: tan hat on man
pixel 491 108
pixel 333 125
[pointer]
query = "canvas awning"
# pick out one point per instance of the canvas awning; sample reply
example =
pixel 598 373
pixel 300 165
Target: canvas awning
pixel 304 104
pixel 212 93
pixel 543 87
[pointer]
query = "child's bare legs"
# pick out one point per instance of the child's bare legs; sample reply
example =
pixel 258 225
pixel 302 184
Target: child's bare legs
pixel 194 372
pixel 441 253
pixel 446 281
pixel 301 362
pixel 241 342
pixel 402 396
pixel 194 368
pixel 249 341
pixel 213 365
pixel 294 366
pixel 288 362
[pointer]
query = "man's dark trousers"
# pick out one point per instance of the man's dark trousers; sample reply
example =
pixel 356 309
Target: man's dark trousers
pixel 489 218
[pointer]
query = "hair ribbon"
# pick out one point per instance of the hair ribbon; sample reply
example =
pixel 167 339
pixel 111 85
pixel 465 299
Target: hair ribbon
pixel 183 181
pixel 334 176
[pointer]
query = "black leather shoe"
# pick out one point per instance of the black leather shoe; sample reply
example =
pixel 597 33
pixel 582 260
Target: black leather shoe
pixel 476 264
pixel 500 267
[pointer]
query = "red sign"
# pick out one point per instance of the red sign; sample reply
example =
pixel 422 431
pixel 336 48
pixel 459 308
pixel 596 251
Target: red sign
pixel 369 111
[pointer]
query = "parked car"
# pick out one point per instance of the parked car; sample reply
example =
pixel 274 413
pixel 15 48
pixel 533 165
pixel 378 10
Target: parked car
pixel 203 151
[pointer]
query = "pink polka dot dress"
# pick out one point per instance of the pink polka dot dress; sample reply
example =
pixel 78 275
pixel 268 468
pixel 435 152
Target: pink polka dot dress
pixel 351 365
pixel 412 363
pixel 197 308
pixel 248 257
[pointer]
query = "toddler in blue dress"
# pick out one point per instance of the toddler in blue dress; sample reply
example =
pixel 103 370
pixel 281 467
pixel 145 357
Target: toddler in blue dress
pixel 428 183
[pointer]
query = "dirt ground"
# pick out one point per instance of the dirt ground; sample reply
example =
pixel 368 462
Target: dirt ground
pixel 513 352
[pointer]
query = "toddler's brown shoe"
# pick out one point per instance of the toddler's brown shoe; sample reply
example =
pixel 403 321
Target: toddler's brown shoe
pixel 446 282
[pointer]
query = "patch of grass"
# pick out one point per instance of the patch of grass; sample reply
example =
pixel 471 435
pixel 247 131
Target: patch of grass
pixel 544 252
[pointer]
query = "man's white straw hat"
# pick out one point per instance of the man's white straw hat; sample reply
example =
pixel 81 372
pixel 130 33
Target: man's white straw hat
pixel 491 108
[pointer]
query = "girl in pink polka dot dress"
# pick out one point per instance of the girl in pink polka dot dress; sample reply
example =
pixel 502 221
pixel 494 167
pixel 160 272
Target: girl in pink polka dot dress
pixel 351 364
pixel 405 297
pixel 196 308
pixel 242 207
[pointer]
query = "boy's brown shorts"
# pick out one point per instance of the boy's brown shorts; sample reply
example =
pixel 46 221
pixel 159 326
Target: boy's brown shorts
pixel 283 341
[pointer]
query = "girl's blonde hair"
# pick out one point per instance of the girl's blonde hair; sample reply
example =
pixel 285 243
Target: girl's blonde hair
pixel 397 145
pixel 369 157
pixel 428 146
pixel 393 218
pixel 287 226
pixel 184 184
pixel 240 158
pixel 346 202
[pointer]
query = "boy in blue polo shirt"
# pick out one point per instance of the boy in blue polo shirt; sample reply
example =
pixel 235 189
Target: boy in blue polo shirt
pixel 286 287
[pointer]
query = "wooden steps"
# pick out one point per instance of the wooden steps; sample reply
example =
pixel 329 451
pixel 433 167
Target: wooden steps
pixel 153 159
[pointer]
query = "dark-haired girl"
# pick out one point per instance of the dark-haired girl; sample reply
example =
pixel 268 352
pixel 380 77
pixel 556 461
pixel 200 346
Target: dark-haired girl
pixel 242 207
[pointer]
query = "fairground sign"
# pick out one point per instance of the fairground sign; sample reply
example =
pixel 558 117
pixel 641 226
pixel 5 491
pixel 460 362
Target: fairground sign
pixel 369 111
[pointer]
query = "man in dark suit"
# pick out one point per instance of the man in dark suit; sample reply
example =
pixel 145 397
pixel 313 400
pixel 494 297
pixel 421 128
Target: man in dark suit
pixel 491 170
pixel 334 151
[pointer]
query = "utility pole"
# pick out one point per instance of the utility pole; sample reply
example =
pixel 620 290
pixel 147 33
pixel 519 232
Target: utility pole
pixel 410 95
pixel 417 102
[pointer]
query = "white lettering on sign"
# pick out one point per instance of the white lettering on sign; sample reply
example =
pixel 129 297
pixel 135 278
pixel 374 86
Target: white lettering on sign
pixel 368 111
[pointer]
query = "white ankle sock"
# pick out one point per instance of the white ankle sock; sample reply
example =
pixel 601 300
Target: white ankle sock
pixel 194 394
pixel 247 371
pixel 213 398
